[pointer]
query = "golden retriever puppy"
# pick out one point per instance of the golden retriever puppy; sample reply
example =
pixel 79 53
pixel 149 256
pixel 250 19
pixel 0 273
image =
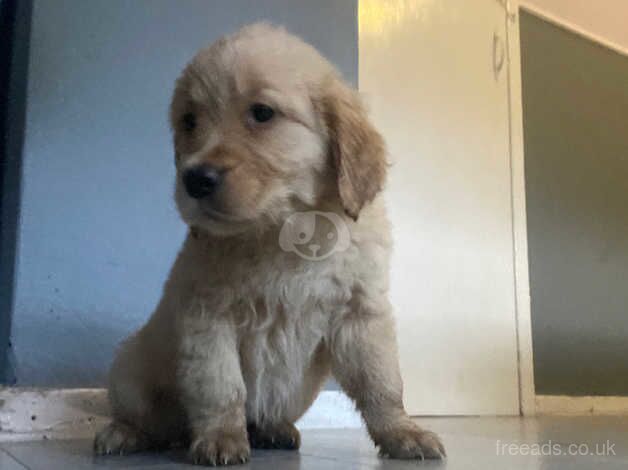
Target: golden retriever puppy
pixel 283 277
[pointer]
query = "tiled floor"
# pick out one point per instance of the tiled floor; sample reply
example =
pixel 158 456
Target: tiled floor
pixel 472 443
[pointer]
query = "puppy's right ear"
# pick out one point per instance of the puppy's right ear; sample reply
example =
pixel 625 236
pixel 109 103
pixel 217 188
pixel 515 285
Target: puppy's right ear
pixel 357 149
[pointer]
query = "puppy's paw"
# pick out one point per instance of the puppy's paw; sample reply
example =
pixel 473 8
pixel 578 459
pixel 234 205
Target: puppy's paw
pixel 119 438
pixel 279 436
pixel 408 441
pixel 220 448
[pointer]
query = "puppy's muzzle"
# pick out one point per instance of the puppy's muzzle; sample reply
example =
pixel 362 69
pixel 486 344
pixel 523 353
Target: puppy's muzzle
pixel 202 180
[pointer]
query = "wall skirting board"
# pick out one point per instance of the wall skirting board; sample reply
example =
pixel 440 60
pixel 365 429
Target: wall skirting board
pixel 30 413
pixel 578 406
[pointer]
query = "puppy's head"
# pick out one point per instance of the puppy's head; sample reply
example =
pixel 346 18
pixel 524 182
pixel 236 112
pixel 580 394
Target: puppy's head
pixel 263 127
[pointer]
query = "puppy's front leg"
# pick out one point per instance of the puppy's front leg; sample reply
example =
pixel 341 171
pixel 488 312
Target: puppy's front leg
pixel 213 391
pixel 365 363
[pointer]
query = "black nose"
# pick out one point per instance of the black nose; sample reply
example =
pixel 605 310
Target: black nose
pixel 201 180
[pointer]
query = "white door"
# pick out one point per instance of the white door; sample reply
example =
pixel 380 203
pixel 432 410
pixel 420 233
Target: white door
pixel 434 74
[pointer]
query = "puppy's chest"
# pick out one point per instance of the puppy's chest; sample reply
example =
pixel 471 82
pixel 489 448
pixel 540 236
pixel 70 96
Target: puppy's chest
pixel 281 310
pixel 275 287
pixel 281 325
pixel 274 340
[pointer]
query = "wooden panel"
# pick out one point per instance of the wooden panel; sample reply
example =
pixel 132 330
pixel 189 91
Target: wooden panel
pixel 428 70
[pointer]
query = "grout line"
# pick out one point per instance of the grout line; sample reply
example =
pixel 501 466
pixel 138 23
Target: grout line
pixel 13 457
pixel 360 461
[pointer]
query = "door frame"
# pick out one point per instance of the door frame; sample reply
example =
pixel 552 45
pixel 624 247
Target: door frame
pixel 527 394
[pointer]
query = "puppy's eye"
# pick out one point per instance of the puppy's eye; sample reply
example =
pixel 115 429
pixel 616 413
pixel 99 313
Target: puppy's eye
pixel 188 121
pixel 261 112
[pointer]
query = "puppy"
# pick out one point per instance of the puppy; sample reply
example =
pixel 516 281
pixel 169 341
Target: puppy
pixel 268 140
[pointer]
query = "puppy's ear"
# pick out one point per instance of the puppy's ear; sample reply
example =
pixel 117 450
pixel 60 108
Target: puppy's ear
pixel 357 150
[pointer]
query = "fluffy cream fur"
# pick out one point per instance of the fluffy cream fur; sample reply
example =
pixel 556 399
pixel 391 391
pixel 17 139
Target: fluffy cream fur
pixel 246 333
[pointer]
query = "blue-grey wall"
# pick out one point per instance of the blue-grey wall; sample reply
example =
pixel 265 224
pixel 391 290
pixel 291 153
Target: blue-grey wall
pixel 575 103
pixel 15 19
pixel 98 230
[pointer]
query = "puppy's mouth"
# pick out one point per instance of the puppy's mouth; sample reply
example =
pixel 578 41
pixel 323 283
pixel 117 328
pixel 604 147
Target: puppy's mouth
pixel 218 216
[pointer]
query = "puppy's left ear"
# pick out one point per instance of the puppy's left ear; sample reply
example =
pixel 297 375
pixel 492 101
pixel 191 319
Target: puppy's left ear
pixel 357 150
